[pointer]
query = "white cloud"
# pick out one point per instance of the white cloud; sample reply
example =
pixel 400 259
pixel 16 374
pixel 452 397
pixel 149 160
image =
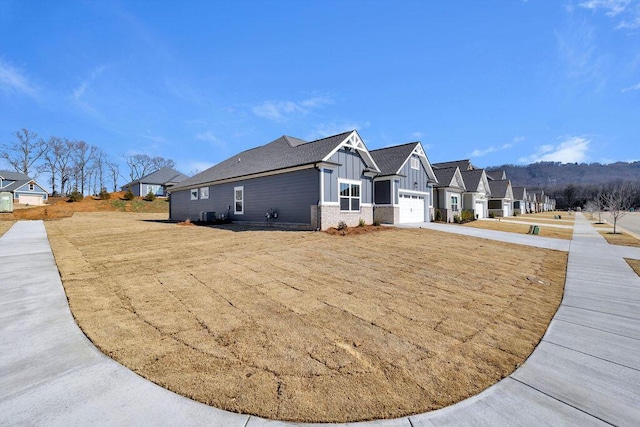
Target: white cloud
pixel 79 92
pixel 626 11
pixel 280 110
pixel 630 88
pixel 417 135
pixel 195 166
pixel 478 152
pixel 572 149
pixel 211 138
pixel 13 80
pixel 322 130
pixel 611 7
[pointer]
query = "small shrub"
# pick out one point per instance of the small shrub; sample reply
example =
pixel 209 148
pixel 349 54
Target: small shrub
pixel 129 195
pixel 515 213
pixel 361 223
pixel 150 197
pixel 75 196
pixel 457 219
pixel 438 215
pixel 104 194
pixel 341 225
pixel 467 216
pixel 376 222
pixel 492 215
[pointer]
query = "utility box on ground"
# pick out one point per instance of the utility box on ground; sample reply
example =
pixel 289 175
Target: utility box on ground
pixel 6 202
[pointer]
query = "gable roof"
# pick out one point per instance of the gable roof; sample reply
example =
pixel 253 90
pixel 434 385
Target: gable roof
pixel 391 160
pixel 496 175
pixel 473 178
pixel 282 153
pixel 500 188
pixel 464 165
pixel 19 179
pixel 164 175
pixel 449 177
pixel 519 193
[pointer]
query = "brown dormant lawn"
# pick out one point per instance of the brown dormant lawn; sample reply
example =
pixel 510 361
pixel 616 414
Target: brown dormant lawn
pixel 306 326
pixel 620 238
pixel 512 227
pixel 5 225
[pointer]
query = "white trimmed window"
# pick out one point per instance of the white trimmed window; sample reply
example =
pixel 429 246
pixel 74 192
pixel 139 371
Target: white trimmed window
pixel 153 189
pixel 454 203
pixel 349 196
pixel 31 186
pixel 415 163
pixel 204 193
pixel 194 194
pixel 238 197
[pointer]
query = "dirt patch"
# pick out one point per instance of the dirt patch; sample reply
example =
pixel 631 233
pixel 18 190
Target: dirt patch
pixel 5 225
pixel 622 239
pixel 635 264
pixel 549 231
pixel 305 326
pixel 59 207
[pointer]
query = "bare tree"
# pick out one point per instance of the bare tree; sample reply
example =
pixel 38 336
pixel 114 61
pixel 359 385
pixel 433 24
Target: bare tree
pixel 25 152
pixel 114 174
pixel 618 201
pixel 99 168
pixel 82 155
pixel 141 165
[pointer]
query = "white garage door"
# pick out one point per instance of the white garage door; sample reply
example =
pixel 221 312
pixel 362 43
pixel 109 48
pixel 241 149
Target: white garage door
pixel 480 210
pixel 30 200
pixel 506 209
pixel 411 208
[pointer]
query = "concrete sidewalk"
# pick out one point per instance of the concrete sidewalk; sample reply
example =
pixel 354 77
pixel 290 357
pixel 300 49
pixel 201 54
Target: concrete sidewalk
pixel 585 371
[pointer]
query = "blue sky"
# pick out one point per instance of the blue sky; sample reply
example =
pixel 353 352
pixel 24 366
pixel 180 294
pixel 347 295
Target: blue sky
pixel 198 81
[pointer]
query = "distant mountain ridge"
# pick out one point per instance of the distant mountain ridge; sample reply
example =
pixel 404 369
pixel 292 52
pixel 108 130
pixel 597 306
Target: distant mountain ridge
pixel 555 174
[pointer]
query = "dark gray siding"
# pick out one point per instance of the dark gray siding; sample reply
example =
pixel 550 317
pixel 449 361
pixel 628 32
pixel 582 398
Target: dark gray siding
pixel 413 176
pixel 351 167
pixel 383 192
pixel 290 194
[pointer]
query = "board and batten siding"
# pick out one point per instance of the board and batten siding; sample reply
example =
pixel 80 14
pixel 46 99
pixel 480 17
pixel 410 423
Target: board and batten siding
pixel 290 194
pixel 351 167
pixel 412 177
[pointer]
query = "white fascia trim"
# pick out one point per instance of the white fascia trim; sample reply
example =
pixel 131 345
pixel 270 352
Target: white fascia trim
pixel 354 141
pixel 350 181
pixel 327 165
pixel 388 177
pixel 418 193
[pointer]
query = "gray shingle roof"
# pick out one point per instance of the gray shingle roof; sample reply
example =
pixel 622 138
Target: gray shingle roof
pixel 499 188
pixel 284 152
pixel 464 165
pixel 445 176
pixel 19 178
pixel 518 193
pixel 472 178
pixel 496 175
pixel 162 176
pixel 391 159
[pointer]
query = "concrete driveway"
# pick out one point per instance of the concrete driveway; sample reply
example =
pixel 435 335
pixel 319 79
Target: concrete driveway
pixel 585 371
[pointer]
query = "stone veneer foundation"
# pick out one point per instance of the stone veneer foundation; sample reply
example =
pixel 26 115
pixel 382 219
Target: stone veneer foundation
pixel 324 217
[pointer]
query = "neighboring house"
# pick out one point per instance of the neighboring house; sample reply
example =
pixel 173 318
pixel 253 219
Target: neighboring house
pixel 403 191
pixel 497 175
pixel 532 202
pixel 288 181
pixel 501 197
pixel 520 203
pixel 449 191
pixel 25 190
pixel 476 196
pixel 158 182
pixel 542 201
pixel 463 165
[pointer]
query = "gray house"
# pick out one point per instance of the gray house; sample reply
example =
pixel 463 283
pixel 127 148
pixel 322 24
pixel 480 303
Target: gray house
pixel 158 182
pixel 403 191
pixel 476 196
pixel 500 202
pixel 449 191
pixel 288 181
pixel 520 200
pixel 25 190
